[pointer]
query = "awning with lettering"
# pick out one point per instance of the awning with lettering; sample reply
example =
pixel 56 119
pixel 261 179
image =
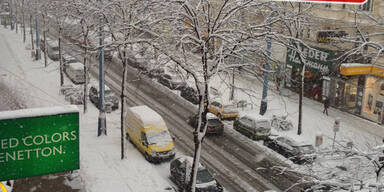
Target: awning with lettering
pixel 361 69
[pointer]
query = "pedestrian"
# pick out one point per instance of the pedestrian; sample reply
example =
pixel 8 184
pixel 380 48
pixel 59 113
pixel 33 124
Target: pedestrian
pixel 326 105
pixel 278 79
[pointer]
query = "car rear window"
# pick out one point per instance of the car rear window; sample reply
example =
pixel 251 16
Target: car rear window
pixel 228 107
pixel 306 149
pixel 203 176
pixel 214 122
pixel 264 124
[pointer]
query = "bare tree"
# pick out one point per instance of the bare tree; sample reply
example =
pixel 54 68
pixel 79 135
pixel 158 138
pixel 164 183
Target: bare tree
pixel 198 37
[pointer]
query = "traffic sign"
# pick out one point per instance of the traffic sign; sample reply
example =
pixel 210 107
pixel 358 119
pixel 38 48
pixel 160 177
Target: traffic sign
pixel 336 125
pixel 330 1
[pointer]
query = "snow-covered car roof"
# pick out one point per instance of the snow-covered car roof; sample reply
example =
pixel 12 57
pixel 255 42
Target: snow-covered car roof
pixel 255 117
pixel 147 115
pixel 211 116
pixel 296 141
pixel 189 161
pixel 76 66
pixel 95 83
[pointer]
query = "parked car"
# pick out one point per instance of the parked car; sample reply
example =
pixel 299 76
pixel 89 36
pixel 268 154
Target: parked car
pixel 145 67
pixel 76 98
pixel 255 127
pixel 53 50
pixel 297 152
pixel 42 46
pixel 172 81
pixel 75 72
pixel 190 94
pixel 181 169
pixel 215 126
pixel 74 95
pixel 111 100
pixel 68 59
pixel 66 87
pixel 223 111
pixel 108 54
pixel 147 130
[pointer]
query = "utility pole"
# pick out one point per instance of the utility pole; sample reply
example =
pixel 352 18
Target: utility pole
pixel 102 121
pixel 37 38
pixel 11 14
pixel 263 105
pixel 23 10
pixel 232 95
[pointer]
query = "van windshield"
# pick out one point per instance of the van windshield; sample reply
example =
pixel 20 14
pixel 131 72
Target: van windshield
pixel 203 176
pixel 159 138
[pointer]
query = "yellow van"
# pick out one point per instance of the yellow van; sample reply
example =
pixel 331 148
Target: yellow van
pixel 147 130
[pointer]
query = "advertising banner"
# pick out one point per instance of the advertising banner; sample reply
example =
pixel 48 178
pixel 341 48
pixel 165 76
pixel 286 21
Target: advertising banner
pixel 316 60
pixel 38 141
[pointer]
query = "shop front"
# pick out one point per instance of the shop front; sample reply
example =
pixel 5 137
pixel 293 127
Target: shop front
pixel 366 82
pixel 318 64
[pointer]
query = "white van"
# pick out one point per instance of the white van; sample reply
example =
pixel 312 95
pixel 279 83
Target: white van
pixel 53 49
pixel 75 72
pixel 147 130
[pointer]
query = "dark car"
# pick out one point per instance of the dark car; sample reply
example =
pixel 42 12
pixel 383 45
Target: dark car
pixel 111 100
pixel 215 126
pixel 145 67
pixel 190 94
pixel 175 82
pixel 108 54
pixel 182 167
pixel 297 153
pixel 255 127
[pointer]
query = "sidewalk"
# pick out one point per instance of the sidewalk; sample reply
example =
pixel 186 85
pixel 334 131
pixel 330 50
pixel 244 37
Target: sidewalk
pixel 363 133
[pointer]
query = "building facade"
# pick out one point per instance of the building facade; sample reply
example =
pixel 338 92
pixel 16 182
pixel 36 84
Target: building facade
pixel 353 82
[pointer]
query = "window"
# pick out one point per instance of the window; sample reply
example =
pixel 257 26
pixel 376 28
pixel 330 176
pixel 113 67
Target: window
pixel 367 6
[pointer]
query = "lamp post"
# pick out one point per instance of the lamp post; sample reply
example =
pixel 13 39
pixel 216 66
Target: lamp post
pixel 263 105
pixel 102 125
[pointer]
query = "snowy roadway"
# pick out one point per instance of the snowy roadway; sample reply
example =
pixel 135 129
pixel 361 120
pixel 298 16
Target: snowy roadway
pixel 101 168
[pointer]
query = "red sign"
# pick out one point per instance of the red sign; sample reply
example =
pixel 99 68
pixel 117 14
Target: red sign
pixel 332 1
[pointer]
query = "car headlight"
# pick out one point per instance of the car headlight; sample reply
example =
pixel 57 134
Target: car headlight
pixel 154 153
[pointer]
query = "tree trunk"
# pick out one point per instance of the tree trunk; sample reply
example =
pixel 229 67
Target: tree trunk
pixel 196 135
pixel 123 101
pixel 299 130
pixel 232 95
pixel 22 7
pixel 17 28
pixel 45 43
pixel 31 31
pixel 60 60
pixel 85 73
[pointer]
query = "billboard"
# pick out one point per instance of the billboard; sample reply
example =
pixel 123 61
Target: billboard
pixel 38 141
pixel 316 60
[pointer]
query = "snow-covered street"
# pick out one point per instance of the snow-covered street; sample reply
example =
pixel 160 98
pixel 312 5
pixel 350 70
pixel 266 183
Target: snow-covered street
pixel 28 84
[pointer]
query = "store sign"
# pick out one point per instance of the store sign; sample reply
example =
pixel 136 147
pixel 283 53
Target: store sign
pixel 38 141
pixel 330 1
pixel 316 60
pixel 329 36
